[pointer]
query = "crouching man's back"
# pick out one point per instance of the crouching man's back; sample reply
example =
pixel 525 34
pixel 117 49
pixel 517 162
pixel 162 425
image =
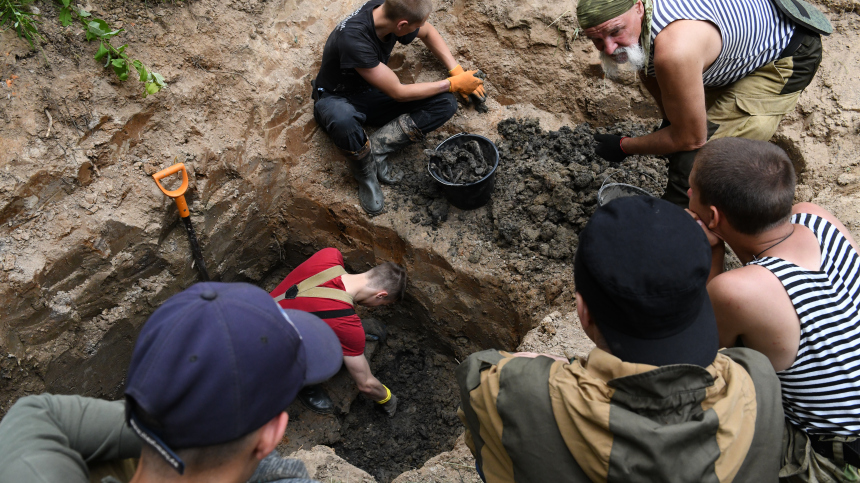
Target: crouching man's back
pixel 654 401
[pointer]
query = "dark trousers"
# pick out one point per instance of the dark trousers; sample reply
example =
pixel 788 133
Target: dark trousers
pixel 342 117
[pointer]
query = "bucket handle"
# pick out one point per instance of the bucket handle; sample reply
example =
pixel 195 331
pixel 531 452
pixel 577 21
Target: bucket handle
pixel 607 179
pixel 458 135
pixel 604 182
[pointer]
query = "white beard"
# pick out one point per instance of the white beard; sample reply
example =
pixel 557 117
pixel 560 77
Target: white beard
pixel 623 59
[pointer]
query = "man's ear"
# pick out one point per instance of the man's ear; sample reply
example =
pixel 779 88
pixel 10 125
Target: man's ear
pixel 381 294
pixel 716 217
pixel 583 313
pixel 402 24
pixel 588 325
pixel 270 435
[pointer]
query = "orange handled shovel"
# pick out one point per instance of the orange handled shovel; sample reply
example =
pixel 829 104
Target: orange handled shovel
pixel 178 196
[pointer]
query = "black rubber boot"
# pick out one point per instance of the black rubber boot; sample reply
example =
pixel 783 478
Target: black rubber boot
pixel 315 399
pixel 680 166
pixel 389 138
pixel 364 170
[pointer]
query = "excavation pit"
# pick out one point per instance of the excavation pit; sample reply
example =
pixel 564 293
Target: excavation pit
pixel 89 247
pixel 425 424
pixel 546 189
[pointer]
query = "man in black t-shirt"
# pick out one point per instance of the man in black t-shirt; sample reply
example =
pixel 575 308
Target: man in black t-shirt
pixel 354 86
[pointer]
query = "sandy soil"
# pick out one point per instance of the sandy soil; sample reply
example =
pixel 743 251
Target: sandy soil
pixel 89 246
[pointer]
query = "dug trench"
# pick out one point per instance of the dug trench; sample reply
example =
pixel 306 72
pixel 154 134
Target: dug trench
pixel 520 223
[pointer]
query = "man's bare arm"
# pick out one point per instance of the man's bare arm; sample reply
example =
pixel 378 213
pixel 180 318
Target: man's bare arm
pixel 681 54
pixel 359 369
pixel 384 79
pixel 814 209
pixel 436 44
pixel 750 303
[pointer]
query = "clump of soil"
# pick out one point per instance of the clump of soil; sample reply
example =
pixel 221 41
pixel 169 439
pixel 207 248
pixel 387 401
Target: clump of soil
pixel 547 184
pixel 546 187
pixel 425 424
pixel 459 165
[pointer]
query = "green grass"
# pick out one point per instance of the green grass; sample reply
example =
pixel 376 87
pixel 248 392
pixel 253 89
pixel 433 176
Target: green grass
pixel 16 15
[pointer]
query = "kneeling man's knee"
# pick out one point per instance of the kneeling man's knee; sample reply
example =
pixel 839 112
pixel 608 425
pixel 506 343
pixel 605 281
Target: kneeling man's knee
pixel 449 102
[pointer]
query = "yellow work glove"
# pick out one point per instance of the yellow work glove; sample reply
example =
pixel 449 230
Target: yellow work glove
pixel 457 71
pixel 478 92
pixel 464 83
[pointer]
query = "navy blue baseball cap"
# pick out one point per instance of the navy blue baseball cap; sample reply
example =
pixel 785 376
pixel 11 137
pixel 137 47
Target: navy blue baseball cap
pixel 218 361
pixel 642 268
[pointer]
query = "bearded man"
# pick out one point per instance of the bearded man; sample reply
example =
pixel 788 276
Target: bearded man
pixel 722 68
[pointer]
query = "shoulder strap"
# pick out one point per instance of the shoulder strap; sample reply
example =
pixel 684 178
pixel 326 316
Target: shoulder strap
pixel 310 287
pixel 805 15
pixel 334 314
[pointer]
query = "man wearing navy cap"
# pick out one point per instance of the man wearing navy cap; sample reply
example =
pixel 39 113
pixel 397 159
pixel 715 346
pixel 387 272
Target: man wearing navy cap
pixel 655 401
pixel 212 372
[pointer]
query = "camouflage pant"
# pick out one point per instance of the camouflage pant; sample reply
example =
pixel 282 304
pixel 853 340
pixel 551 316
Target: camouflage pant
pixel 749 108
pixel 801 464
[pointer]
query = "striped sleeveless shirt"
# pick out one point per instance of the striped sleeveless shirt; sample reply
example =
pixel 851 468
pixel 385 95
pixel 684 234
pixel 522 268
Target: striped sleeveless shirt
pixel 821 390
pixel 754 33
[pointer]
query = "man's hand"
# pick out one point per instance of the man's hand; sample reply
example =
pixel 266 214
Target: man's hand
pixel 464 83
pixel 391 406
pixel 479 92
pixel 457 70
pixel 609 147
pixel 713 239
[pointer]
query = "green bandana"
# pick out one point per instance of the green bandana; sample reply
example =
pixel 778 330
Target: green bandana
pixel 645 36
pixel 592 13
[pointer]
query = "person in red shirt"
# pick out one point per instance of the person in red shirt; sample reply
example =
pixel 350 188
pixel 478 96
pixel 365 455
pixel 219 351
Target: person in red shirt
pixel 321 286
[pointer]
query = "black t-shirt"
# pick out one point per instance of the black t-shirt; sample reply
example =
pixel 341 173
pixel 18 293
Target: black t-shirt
pixel 354 43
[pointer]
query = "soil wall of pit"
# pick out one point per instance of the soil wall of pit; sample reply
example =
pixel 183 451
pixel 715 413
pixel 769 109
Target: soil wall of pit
pixel 89 247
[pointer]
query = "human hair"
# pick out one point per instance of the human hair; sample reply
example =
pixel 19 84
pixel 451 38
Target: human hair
pixel 410 10
pixel 197 459
pixel 750 182
pixel 390 277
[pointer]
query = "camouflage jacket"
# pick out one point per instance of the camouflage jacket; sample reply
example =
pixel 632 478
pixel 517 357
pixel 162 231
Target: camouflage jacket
pixel 601 419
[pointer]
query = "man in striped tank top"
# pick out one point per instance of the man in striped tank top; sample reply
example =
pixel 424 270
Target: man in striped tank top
pixel 716 68
pixel 796 299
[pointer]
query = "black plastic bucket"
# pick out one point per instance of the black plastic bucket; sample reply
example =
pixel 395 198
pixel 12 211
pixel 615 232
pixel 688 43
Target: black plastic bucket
pixel 476 194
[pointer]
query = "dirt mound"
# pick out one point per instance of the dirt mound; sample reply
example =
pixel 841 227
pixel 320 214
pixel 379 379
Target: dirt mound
pixel 546 185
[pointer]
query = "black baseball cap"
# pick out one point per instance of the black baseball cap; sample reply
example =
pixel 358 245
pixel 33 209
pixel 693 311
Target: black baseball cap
pixel 642 268
pixel 217 362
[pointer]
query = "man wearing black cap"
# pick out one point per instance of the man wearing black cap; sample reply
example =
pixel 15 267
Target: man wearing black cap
pixel 211 374
pixel 655 401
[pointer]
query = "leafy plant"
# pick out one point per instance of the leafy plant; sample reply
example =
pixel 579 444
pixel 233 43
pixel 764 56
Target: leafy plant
pixel 116 58
pixel 15 14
